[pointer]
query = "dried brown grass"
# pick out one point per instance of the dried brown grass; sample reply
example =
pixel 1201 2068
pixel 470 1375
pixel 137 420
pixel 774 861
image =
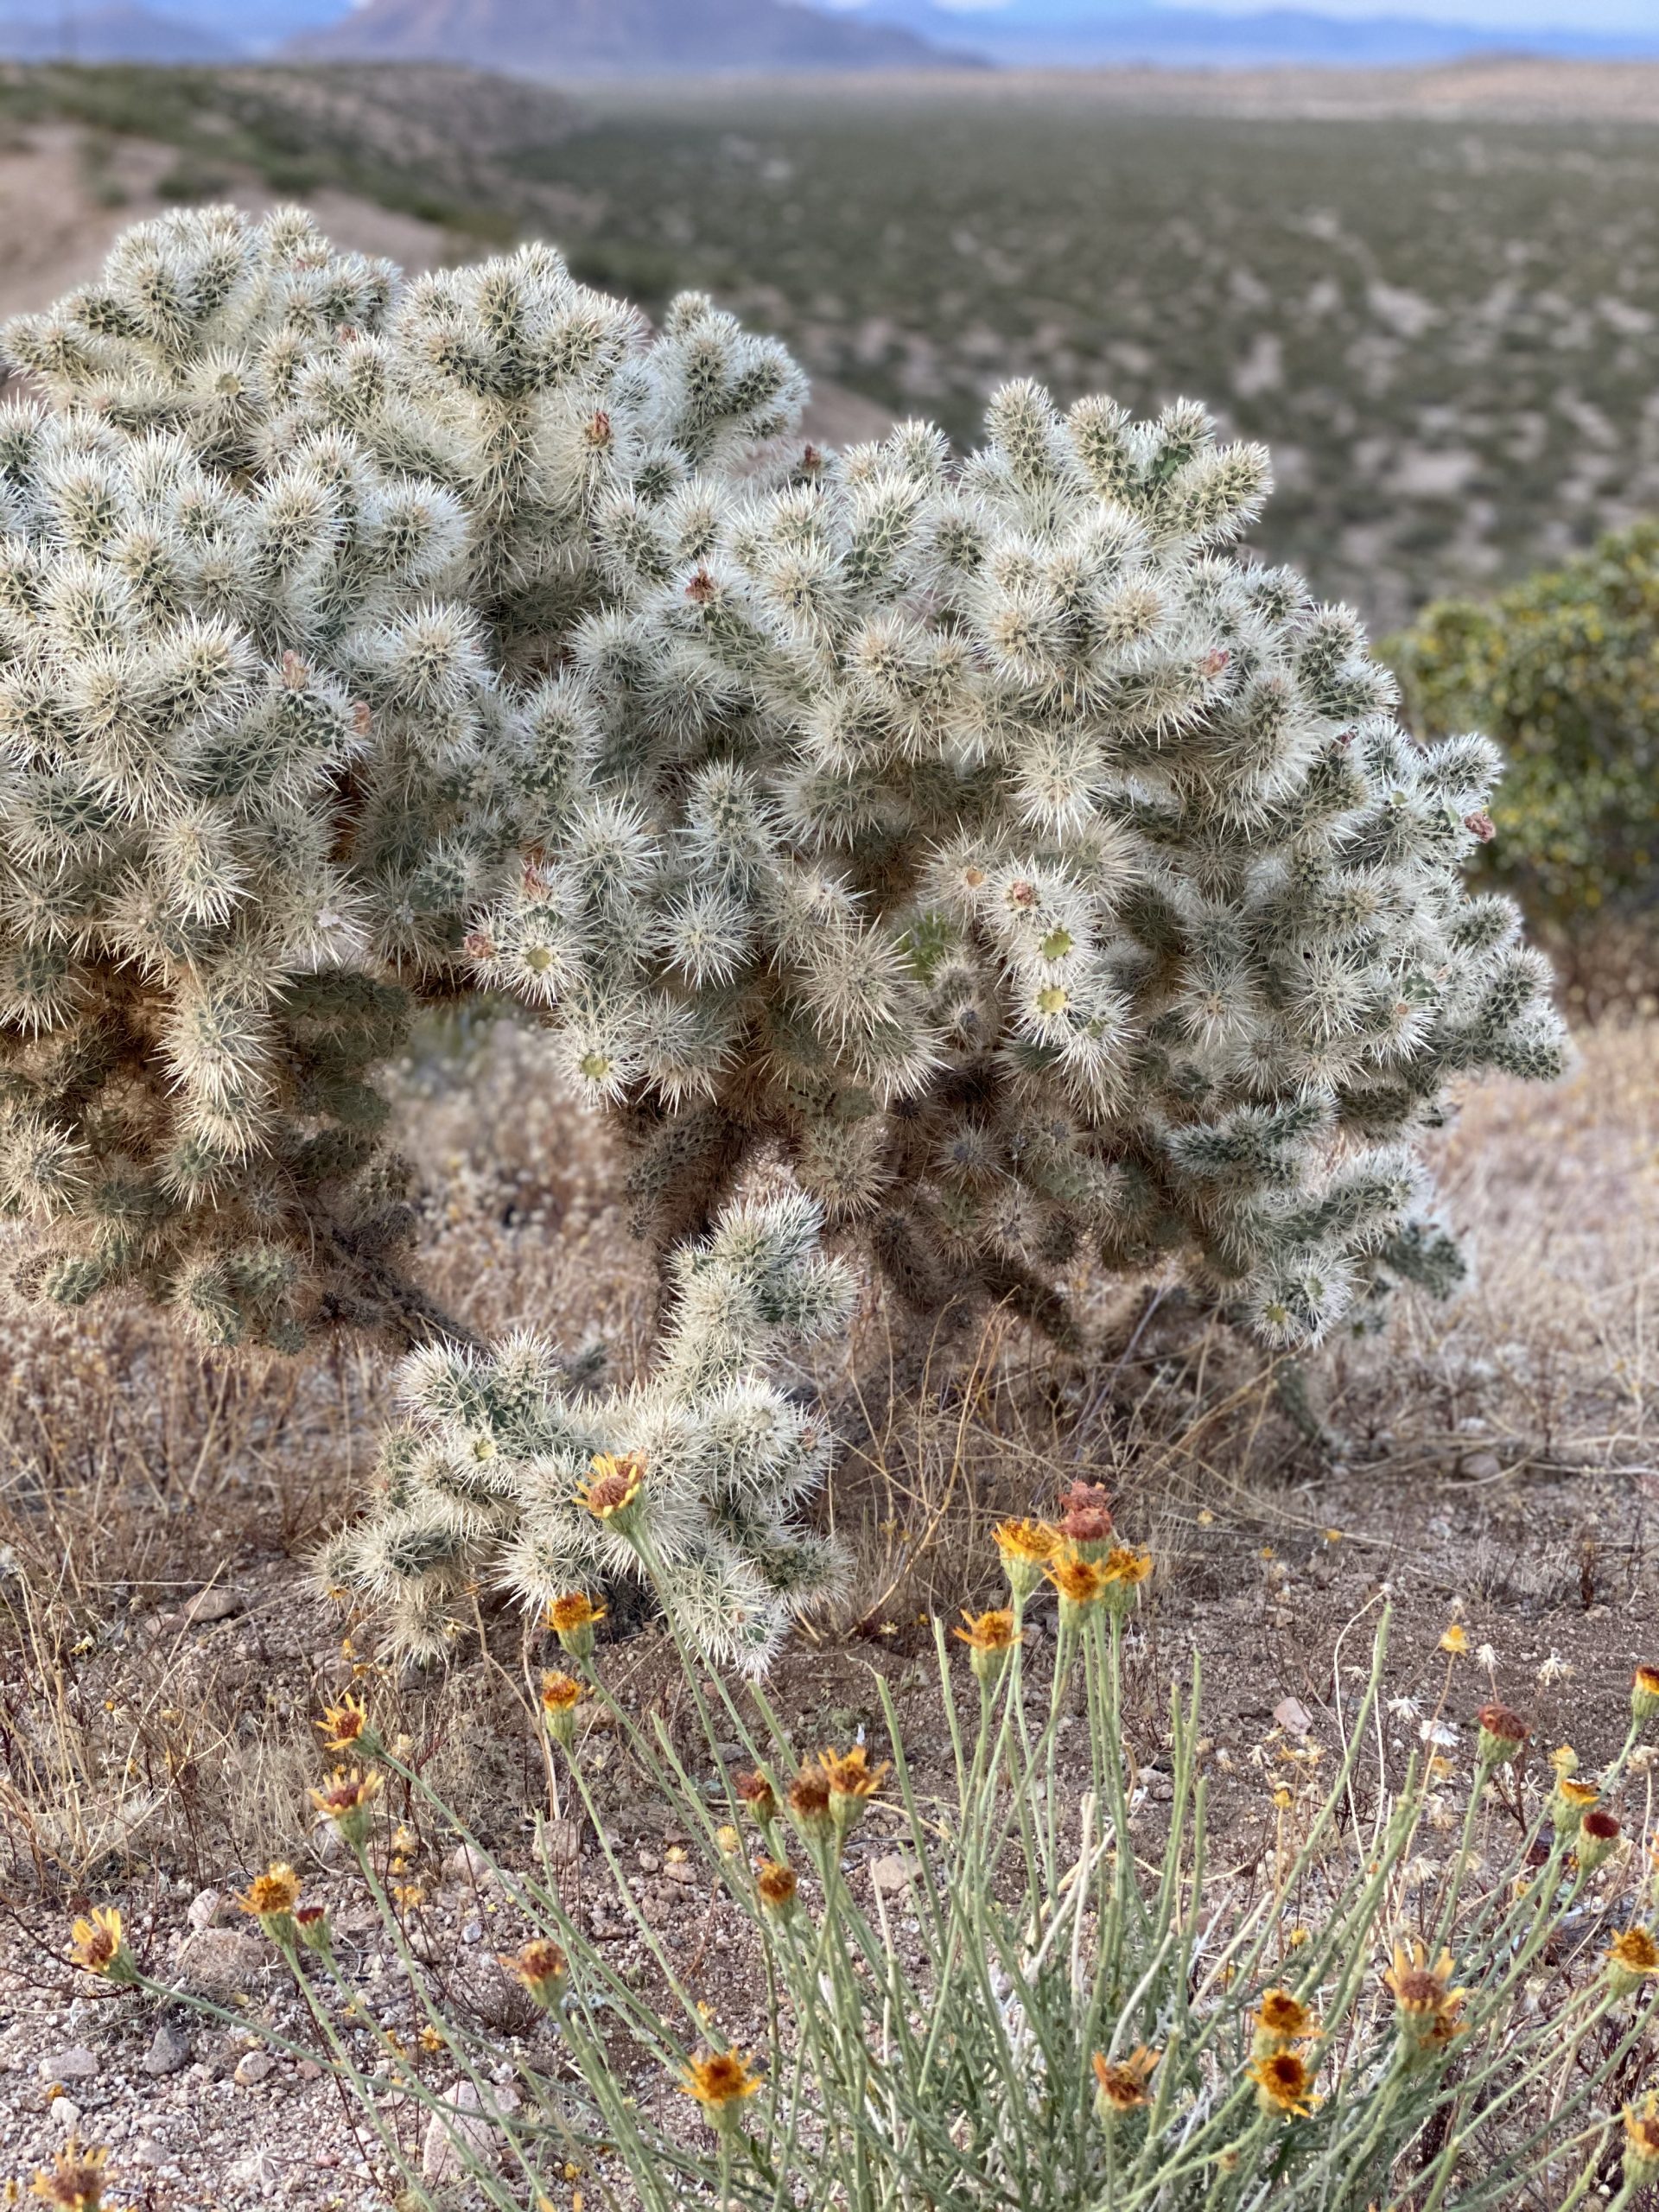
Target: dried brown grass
pixel 135 1472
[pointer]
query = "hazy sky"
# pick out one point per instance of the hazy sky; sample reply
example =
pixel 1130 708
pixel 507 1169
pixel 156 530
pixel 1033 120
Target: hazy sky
pixel 1497 16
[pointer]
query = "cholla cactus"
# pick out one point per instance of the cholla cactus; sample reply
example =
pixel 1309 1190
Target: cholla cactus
pixel 1044 880
pixel 260 757
pixel 1048 881
pixel 486 1479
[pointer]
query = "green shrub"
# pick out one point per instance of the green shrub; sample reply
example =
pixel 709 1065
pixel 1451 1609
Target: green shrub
pixel 1563 672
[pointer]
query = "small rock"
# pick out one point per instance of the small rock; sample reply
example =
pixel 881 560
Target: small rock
pixel 467 1862
pixel 1292 1716
pixel 219 1604
pixel 894 1872
pixel 258 2170
pixel 206 1909
pixel 254 2066
pixel 168 2050
pixel 65 2115
pixel 147 2152
pixel 649 1863
pixel 469 2132
pixel 473 1930
pixel 1480 1467
pixel 683 1871
pixel 220 1962
pixel 308 2070
pixel 77 2065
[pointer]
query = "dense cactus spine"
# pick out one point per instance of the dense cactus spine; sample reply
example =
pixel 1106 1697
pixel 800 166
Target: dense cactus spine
pixel 1043 880
pixel 485 1482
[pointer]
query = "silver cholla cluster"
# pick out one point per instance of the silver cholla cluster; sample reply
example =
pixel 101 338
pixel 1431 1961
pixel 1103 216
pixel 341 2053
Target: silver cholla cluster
pixel 285 544
pixel 484 1482
pixel 1044 880
pixel 1048 883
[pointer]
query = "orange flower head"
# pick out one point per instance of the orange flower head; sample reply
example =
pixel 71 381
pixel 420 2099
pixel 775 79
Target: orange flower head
pixel 1632 1958
pixel 542 1968
pixel 808 1801
pixel 1027 1548
pixel 1126 1568
pixel 561 1696
pixel 1642 2142
pixel 1598 1838
pixel 76 2181
pixel 1123 2082
pixel 99 1945
pixel 1081 1583
pixel 1281 2019
pixel 1644 1696
pixel 573 1618
pixel 1284 2084
pixel 347 1801
pixel 757 1794
pixel 1503 1735
pixel 852 1782
pixel 613 1491
pixel 776 1886
pixel 1569 1800
pixel 270 1899
pixel 720 2082
pixel 345 1727
pixel 990 1638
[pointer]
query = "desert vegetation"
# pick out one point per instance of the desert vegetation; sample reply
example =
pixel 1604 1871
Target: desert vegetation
pixel 747 1455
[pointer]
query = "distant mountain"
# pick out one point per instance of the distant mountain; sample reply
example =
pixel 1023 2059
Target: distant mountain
pixel 1077 35
pixel 624 38
pixel 113 34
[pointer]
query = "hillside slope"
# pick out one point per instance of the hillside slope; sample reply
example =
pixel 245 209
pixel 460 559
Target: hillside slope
pixel 620 38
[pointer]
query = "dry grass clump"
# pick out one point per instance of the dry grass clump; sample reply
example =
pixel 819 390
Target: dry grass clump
pixel 137 1474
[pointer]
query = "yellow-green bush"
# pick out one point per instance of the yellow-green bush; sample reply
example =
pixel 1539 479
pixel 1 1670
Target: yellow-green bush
pixel 1563 670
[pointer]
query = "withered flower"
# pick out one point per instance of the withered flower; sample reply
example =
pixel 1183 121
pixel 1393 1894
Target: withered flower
pixel 1081 1583
pixel 1598 1838
pixel 76 2181
pixel 1426 2004
pixel 852 1782
pixel 561 1696
pixel 776 1886
pixel 1503 1735
pixel 1085 1520
pixel 808 1801
pixel 1123 2082
pixel 1642 2142
pixel 543 1969
pixel 757 1794
pixel 1569 1800
pixel 1644 1696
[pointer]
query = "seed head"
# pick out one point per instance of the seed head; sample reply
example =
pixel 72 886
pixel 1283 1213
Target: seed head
pixel 614 1491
